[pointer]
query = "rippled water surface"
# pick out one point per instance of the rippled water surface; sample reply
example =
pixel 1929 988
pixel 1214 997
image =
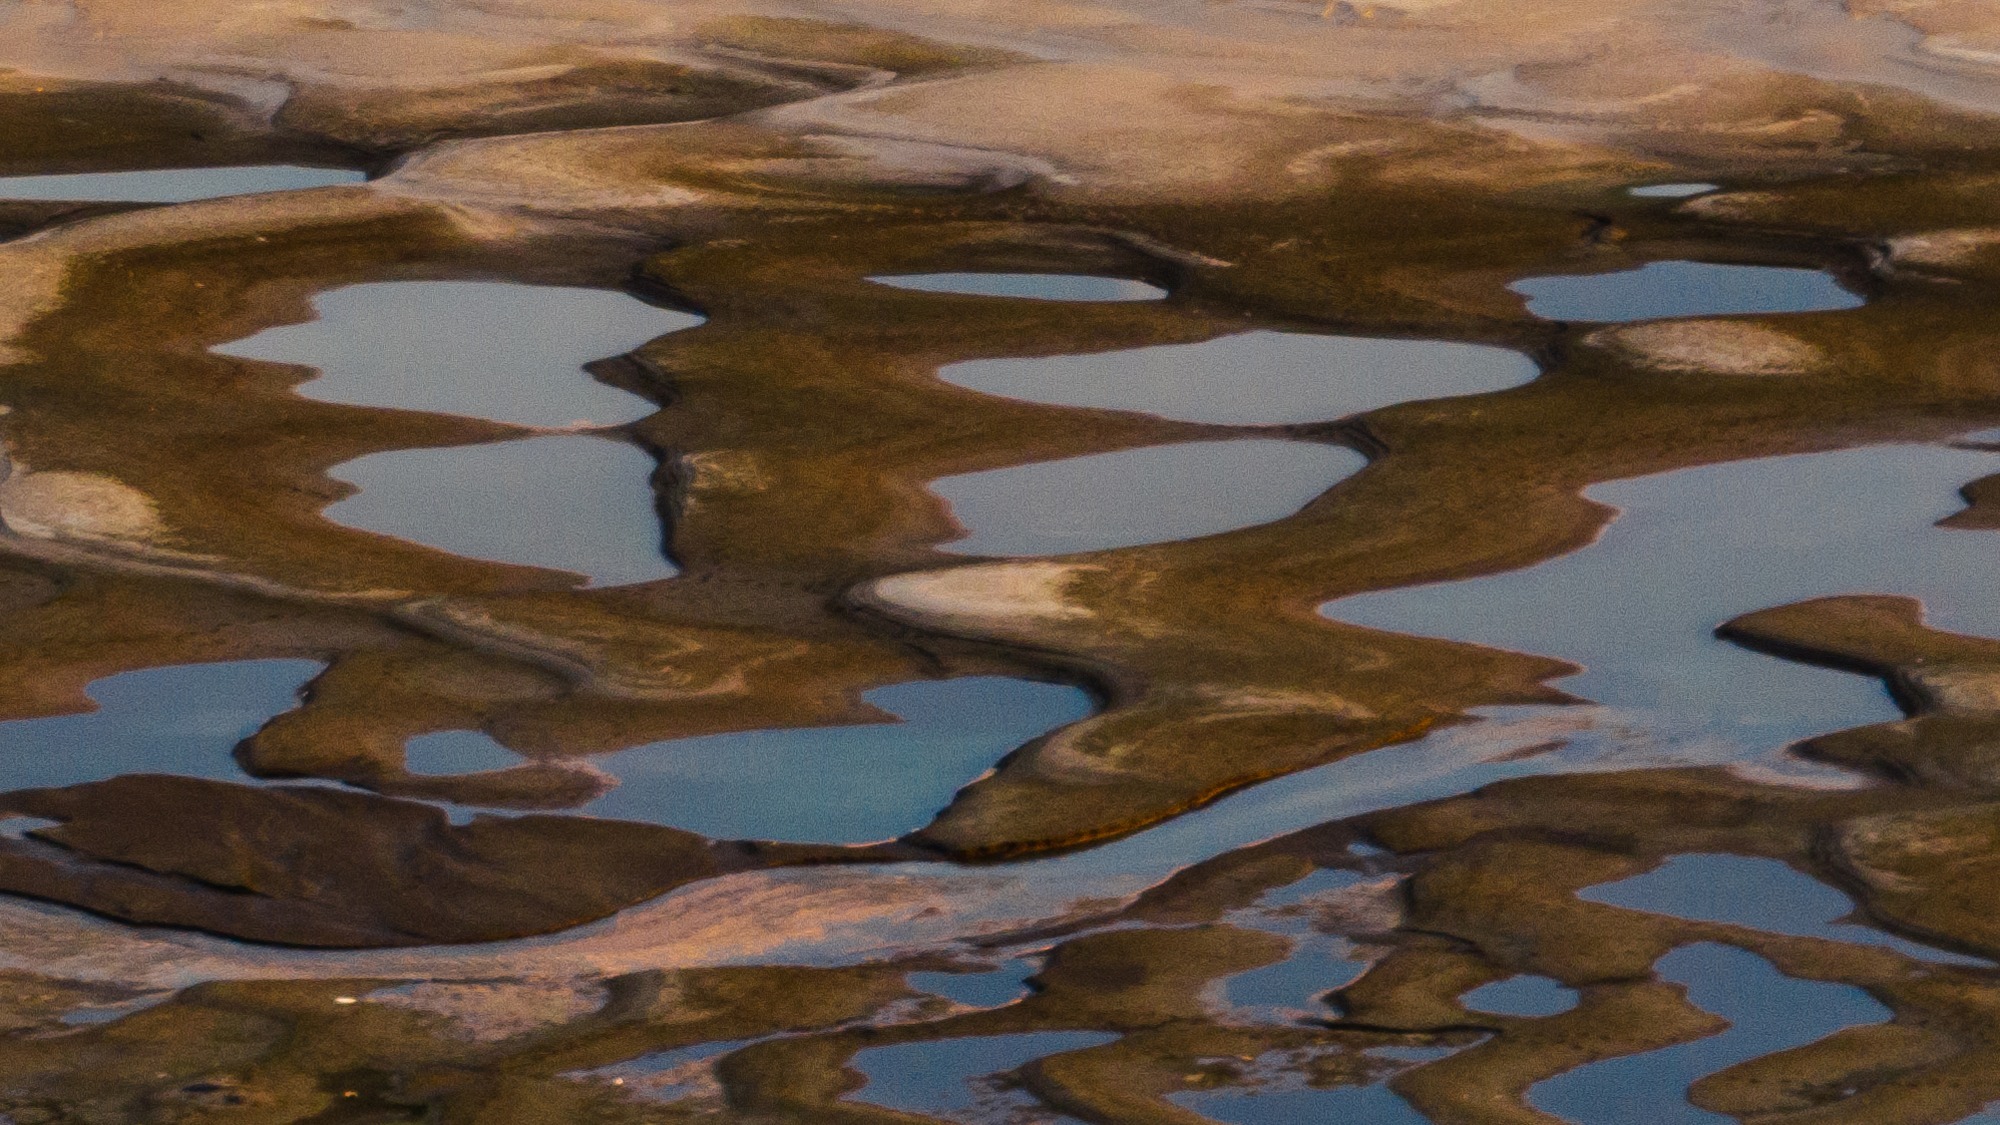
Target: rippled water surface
pixel 174 185
pixel 1662 290
pixel 486 349
pixel 1253 378
pixel 579 503
pixel 1151 495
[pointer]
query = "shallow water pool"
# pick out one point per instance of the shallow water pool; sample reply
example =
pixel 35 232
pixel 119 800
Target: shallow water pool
pixel 1253 378
pixel 1026 286
pixel 483 349
pixel 840 785
pixel 1666 290
pixel 1155 494
pixel 174 185
pixel 573 502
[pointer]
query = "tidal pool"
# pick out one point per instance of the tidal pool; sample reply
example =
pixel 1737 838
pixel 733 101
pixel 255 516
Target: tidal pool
pixel 1663 290
pixel 1693 548
pixel 484 349
pixel 174 185
pixel 844 785
pixel 1672 191
pixel 1155 494
pixel 1527 996
pixel 1029 286
pixel 574 502
pixel 942 1076
pixel 183 720
pixel 1762 894
pixel 1257 378
pixel 1768 1012
pixel 1295 988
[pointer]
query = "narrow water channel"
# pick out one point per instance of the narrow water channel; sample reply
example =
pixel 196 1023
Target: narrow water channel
pixel 174 185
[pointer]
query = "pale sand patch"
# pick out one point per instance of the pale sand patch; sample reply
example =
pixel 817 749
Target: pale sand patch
pixel 1954 689
pixel 1715 347
pixel 490 1011
pixel 65 505
pixel 1943 247
pixel 983 596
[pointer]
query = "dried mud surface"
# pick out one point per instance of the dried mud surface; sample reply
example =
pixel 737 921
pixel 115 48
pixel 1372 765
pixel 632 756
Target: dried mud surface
pixel 334 938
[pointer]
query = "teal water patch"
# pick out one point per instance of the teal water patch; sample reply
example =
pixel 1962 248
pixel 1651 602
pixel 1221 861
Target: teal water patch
pixel 1693 548
pixel 183 720
pixel 1026 286
pixel 947 1076
pixel 840 785
pixel 1527 996
pixel 573 502
pixel 1663 290
pixel 1768 1012
pixel 174 185
pixel 1155 494
pixel 1761 894
pixel 1253 378
pixel 483 349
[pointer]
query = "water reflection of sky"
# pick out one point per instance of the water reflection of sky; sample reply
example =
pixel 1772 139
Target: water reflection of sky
pixel 1154 494
pixel 1693 548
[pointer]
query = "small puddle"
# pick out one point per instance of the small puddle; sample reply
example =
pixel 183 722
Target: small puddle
pixel 485 349
pixel 1156 494
pixel 1768 1012
pixel 1663 290
pixel 174 185
pixel 842 785
pixel 1293 989
pixel 1028 286
pixel 183 720
pixel 995 988
pixel 1759 893
pixel 664 1076
pixel 1693 548
pixel 574 502
pixel 954 1076
pixel 1258 378
pixel 1528 996
pixel 1672 191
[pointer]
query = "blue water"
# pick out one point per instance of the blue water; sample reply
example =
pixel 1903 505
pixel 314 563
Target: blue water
pixel 484 349
pixel 937 1077
pixel 1528 996
pixel 994 989
pixel 183 720
pixel 1768 1012
pixel 173 185
pixel 1762 894
pixel 828 784
pixel 1155 494
pixel 572 502
pixel 1031 286
pixel 1660 290
pixel 1295 988
pixel 1693 548
pixel 1253 378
